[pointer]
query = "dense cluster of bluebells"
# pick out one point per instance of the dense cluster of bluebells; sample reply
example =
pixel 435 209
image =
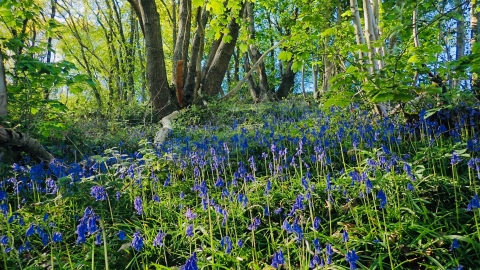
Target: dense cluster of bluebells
pixel 234 194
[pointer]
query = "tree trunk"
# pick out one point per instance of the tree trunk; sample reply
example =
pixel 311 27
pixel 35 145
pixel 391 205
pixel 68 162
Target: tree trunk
pixel 416 41
pixel 212 84
pixel 460 40
pixel 316 94
pixel 183 39
pixel 252 86
pixel 22 142
pixel 288 80
pixel 357 27
pixel 265 94
pixel 474 31
pixel 196 55
pixel 156 72
pixel 3 88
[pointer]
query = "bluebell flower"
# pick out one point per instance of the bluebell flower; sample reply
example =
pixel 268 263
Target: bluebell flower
pixel 3 195
pixel 383 199
pixel 329 253
pixel 286 226
pixel 454 245
pixel 57 237
pixel 219 183
pixel 155 198
pixel 410 187
pixel 226 243
pixel 118 194
pixel 52 187
pixel 316 223
pixel 87 225
pixel 191 263
pixel 304 183
pixel 31 230
pixel 345 236
pixel 278 259
pixel 316 261
pixel 25 247
pixel 98 239
pixel 455 159
pixel 182 195
pixel 474 203
pixel 4 240
pixel 137 204
pixel 121 235
pixel 189 230
pixel 297 229
pixel 352 258
pixel 298 205
pixel 98 192
pixel 158 241
pixel 44 237
pixel 254 225
pixel 137 241
pixel 268 187
pixel 266 211
pixel 240 243
pixel 4 209
pixel 317 246
pixel 190 214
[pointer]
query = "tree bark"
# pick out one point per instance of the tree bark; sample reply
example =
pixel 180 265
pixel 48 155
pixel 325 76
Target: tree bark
pixel 360 39
pixel 474 32
pixel 21 142
pixel 252 86
pixel 3 88
pixel 212 84
pixel 316 93
pixel 288 80
pixel 156 72
pixel 249 73
pixel 265 94
pixel 196 55
pixel 183 39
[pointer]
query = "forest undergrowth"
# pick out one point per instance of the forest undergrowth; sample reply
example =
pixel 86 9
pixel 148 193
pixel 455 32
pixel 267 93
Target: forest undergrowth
pixel 282 186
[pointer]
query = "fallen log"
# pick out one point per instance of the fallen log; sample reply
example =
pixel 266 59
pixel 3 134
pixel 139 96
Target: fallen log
pixel 18 141
pixel 162 134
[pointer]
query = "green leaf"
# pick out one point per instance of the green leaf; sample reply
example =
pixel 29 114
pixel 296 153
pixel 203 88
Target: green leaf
pixel 296 66
pixel 476 47
pixel 197 3
pixel 243 47
pixel 328 32
pixel 285 56
pixel 341 99
pixel 413 59
pixel 403 97
pixel 383 97
pixel 351 69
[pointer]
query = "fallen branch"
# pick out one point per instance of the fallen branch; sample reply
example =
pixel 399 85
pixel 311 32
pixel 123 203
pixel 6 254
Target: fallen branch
pixel 162 134
pixel 249 73
pixel 21 142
